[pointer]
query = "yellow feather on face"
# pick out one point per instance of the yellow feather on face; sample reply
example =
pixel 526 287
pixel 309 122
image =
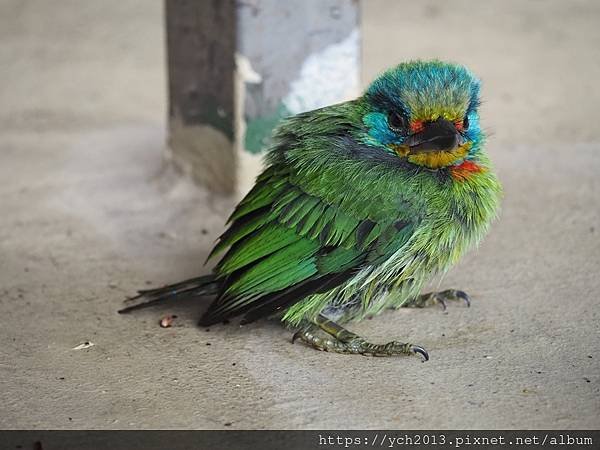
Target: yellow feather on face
pixel 401 150
pixel 443 158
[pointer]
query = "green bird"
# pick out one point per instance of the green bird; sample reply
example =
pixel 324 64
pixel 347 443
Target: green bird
pixel 360 204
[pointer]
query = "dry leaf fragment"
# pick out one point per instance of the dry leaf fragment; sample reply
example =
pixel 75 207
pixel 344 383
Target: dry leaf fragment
pixel 167 321
pixel 84 345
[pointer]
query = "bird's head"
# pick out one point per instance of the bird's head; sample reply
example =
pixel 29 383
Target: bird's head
pixel 424 112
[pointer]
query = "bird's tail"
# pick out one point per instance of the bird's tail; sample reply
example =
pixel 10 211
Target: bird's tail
pixel 205 285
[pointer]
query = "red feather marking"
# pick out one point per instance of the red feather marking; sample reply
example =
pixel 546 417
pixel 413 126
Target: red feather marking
pixel 465 169
pixel 416 126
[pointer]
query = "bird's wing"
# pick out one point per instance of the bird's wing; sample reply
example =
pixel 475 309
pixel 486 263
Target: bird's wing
pixel 284 244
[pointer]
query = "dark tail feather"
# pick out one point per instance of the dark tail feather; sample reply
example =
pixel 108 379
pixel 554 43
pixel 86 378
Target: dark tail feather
pixel 282 299
pixel 204 285
pixel 274 302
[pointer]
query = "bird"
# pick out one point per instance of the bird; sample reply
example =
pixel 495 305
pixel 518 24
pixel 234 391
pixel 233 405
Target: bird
pixel 359 205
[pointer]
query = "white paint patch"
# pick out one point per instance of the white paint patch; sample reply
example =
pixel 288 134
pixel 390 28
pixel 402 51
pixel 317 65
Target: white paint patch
pixel 327 77
pixel 245 70
pixel 249 165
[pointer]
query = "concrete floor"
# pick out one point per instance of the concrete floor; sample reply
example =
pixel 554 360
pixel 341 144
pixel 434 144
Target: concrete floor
pixel 89 214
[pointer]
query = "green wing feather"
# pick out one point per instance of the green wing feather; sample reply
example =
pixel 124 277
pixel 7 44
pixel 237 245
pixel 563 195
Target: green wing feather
pixel 282 240
pixel 310 222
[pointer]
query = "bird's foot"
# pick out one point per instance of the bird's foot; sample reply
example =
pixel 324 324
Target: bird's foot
pixel 344 341
pixel 439 298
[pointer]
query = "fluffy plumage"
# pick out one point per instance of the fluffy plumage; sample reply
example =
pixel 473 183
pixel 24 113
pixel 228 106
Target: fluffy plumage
pixel 360 203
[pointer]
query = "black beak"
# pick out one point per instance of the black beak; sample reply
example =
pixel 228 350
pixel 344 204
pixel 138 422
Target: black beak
pixel 436 136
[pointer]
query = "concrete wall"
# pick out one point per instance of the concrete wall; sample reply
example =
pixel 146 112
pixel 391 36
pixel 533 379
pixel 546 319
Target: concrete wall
pixel 237 68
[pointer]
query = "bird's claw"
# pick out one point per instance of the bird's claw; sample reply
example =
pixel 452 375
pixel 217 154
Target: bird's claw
pixel 442 301
pixel 464 296
pixel 298 335
pixel 454 294
pixel 418 349
pixel 441 298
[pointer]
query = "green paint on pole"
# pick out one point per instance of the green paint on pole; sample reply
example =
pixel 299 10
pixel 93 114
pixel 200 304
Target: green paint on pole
pixel 259 130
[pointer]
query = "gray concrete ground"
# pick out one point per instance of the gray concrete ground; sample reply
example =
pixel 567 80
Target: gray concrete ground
pixel 89 214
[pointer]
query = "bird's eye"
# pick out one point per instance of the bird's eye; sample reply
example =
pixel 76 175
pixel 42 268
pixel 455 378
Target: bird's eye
pixel 397 122
pixel 465 123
